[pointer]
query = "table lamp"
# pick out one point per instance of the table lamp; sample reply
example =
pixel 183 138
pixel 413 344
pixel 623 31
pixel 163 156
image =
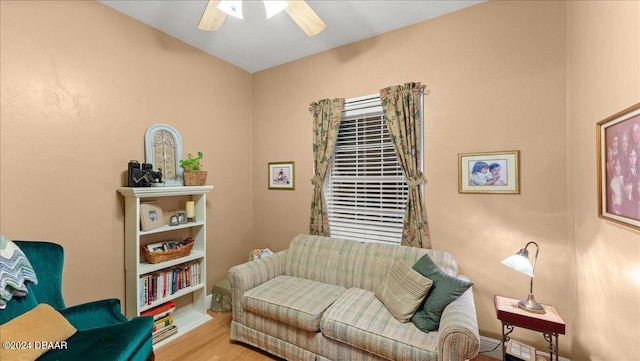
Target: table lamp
pixel 520 262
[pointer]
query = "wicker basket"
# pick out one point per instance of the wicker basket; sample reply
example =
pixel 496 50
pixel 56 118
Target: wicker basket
pixel 197 178
pixel 163 256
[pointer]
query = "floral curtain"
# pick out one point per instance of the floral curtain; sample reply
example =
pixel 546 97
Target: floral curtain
pixel 327 114
pixel 401 106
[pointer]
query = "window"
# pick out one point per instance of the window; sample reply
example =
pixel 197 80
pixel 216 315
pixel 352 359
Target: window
pixel 365 189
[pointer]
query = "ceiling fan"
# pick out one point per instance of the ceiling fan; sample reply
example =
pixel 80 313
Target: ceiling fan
pixel 216 11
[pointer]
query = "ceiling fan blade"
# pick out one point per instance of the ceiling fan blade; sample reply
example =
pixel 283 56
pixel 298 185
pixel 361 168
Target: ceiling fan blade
pixel 305 17
pixel 212 18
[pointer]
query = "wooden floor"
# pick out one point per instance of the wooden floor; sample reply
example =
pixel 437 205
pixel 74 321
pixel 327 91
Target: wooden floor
pixel 210 342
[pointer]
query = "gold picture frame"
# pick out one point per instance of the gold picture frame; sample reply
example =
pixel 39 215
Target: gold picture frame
pixel 281 175
pixel 618 143
pixel 489 172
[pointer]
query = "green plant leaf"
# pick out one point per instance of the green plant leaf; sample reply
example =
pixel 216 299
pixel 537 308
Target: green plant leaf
pixel 192 163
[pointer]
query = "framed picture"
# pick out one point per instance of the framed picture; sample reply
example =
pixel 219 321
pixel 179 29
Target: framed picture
pixel 489 172
pixel 156 247
pixel 173 220
pixel 182 216
pixel 150 216
pixel 618 142
pixel 281 176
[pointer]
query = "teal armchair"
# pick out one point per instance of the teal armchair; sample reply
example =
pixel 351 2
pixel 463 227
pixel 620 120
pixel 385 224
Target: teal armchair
pixel 104 333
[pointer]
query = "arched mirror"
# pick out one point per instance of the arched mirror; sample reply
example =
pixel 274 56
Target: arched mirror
pixel 163 149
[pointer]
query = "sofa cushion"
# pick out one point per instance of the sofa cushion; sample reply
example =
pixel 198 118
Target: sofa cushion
pixel 402 291
pixel 445 289
pixel 358 319
pixel 322 259
pixel 294 301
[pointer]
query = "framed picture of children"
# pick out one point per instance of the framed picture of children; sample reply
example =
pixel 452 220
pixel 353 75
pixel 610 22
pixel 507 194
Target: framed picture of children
pixel 281 176
pixel 489 172
pixel 618 140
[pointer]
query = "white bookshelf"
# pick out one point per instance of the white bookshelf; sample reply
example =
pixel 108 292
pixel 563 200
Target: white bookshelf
pixel 193 314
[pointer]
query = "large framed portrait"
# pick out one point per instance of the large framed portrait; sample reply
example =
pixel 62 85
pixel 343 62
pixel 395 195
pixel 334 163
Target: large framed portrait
pixel 489 172
pixel 618 141
pixel 281 176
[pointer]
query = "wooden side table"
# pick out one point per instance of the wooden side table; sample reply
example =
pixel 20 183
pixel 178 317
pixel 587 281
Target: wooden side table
pixel 549 323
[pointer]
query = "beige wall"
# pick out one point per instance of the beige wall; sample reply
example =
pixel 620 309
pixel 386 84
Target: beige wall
pixel 499 81
pixel 81 83
pixel 604 78
pixel 497 76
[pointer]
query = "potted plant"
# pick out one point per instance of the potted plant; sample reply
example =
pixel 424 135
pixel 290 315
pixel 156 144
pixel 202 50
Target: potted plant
pixel 193 175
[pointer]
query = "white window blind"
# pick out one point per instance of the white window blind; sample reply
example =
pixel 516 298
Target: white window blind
pixel 365 190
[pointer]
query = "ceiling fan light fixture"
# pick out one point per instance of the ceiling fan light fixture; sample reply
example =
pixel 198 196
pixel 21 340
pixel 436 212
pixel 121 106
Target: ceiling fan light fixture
pixel 233 8
pixel 274 6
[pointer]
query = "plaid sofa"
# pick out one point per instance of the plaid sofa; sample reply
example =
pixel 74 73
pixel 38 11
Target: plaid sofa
pixel 315 301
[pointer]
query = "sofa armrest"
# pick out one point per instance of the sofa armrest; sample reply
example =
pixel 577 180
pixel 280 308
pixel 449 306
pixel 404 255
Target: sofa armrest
pixel 95 314
pixel 458 336
pixel 248 275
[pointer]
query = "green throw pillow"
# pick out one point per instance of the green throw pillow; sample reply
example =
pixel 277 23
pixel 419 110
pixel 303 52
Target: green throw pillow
pixel 445 289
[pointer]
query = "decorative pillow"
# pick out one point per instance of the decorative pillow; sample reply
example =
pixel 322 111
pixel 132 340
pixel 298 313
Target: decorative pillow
pixel 445 290
pixel 402 291
pixel 27 336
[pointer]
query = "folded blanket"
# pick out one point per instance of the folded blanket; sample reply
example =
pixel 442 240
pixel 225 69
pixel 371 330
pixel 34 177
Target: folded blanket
pixel 15 271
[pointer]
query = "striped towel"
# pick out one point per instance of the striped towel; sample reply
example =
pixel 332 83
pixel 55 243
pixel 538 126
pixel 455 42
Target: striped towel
pixel 15 272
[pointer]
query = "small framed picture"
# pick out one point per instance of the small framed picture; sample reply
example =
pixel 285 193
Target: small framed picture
pixel 173 220
pixel 281 176
pixel 182 216
pixel 156 247
pixel 150 216
pixel 489 172
pixel 618 141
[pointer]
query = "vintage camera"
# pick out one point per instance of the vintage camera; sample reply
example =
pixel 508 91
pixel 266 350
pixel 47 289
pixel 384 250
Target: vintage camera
pixel 143 175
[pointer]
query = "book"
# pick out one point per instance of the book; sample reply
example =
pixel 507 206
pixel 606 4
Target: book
pixel 141 296
pixel 164 333
pixel 163 322
pixel 165 282
pixel 160 311
pixel 169 329
pixel 516 351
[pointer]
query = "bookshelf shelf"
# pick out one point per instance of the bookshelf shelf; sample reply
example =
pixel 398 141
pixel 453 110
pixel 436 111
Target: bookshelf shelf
pixel 152 267
pixel 189 315
pixel 171 228
pixel 186 318
pixel 178 294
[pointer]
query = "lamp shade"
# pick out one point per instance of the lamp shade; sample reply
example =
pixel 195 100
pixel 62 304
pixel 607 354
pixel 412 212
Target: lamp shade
pixel 520 262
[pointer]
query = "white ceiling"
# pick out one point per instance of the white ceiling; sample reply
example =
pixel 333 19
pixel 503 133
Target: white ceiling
pixel 257 43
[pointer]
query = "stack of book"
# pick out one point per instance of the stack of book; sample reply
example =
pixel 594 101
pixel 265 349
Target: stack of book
pixel 163 326
pixel 161 284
